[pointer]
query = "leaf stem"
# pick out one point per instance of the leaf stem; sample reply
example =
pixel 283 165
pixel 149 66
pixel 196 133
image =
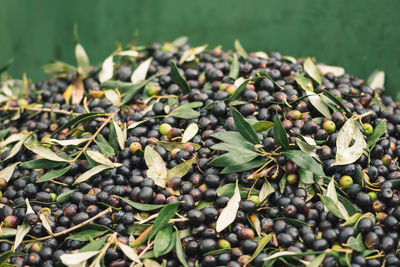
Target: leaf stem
pixel 104 212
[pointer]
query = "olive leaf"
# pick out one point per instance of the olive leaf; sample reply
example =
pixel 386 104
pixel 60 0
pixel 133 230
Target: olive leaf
pixel 312 70
pixel 280 135
pixel 68 142
pixel 186 111
pixel 306 176
pixel 172 145
pixel 162 240
pixel 99 158
pixel 260 126
pixel 228 214
pixel 105 148
pixel 376 80
pixel 304 161
pixel 8 171
pixel 317 261
pixel 166 213
pixel 178 79
pixel 181 169
pixel 128 53
pixel 337 102
pixel 129 252
pixel 57 68
pixel 239 49
pixel 33 145
pixel 86 235
pixel 64 197
pixel 307 147
pixel 121 137
pixel 157 168
pixel 348 152
pixel 45 222
pixel 261 245
pixel 53 174
pixel 77 90
pixel 72 123
pixel 113 96
pixel 266 190
pixel 331 206
pixel 93 171
pixel 190 54
pixel 140 206
pixel 82 60
pixel 356 243
pixel 139 74
pixel 179 250
pixel 335 70
pixel 331 193
pixel 17 147
pixel 244 128
pixel 379 130
pixel 295 222
pixel 304 83
pixel 5 255
pixel 151 263
pixel 319 104
pixel 190 132
pixel 77 259
pixel 107 69
pixel 234 70
pixel 22 229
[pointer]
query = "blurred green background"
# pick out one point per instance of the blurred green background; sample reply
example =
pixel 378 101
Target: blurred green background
pixel 360 35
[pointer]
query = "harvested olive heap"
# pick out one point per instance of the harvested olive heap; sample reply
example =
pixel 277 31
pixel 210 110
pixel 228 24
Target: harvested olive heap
pixel 176 156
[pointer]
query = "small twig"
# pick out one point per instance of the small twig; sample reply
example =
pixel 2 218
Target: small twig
pixel 94 135
pixel 74 227
pixel 103 251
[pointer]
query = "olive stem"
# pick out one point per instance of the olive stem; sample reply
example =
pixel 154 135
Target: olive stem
pixel 101 214
pixel 94 136
pixel 146 249
pixel 103 251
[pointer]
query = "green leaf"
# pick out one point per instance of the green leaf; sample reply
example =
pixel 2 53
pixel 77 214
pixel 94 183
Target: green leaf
pixel 99 158
pixel 379 130
pixel 82 60
pixel 4 256
pixel 228 214
pixel 244 128
pixel 260 126
pixel 190 132
pixel 319 104
pixel 70 142
pixel 95 245
pixel 234 70
pixel 166 213
pixel 139 74
pixel 239 49
pixel 179 251
pixel 8 171
pixel 88 174
pixel 304 161
pixel 112 138
pixel 348 205
pixel 331 192
pixel 53 174
pixel 304 83
pixel 312 70
pixel 280 135
pixel 172 145
pixel 157 168
pixel 217 251
pixel 121 138
pixel 22 231
pixel 348 152
pixel 130 92
pixel 203 204
pixel 230 137
pixel 17 147
pixel 338 102
pixel 105 148
pixel 244 167
pixel 78 259
pixel 64 197
pixel 178 79
pixel 317 261
pixel 162 241
pixel 261 245
pixel 186 111
pixel 356 243
pixel 86 235
pixel 7 232
pixel 181 169
pixel 4 133
pixel 56 68
pixel 306 176
pixel 107 69
pixel 294 222
pixel 78 120
pixel 140 206
pixel 234 158
pixel 266 190
pixel 33 145
pixel 331 206
pixel 237 92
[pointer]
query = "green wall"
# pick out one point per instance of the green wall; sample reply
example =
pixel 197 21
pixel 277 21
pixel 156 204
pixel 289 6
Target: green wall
pixel 360 35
